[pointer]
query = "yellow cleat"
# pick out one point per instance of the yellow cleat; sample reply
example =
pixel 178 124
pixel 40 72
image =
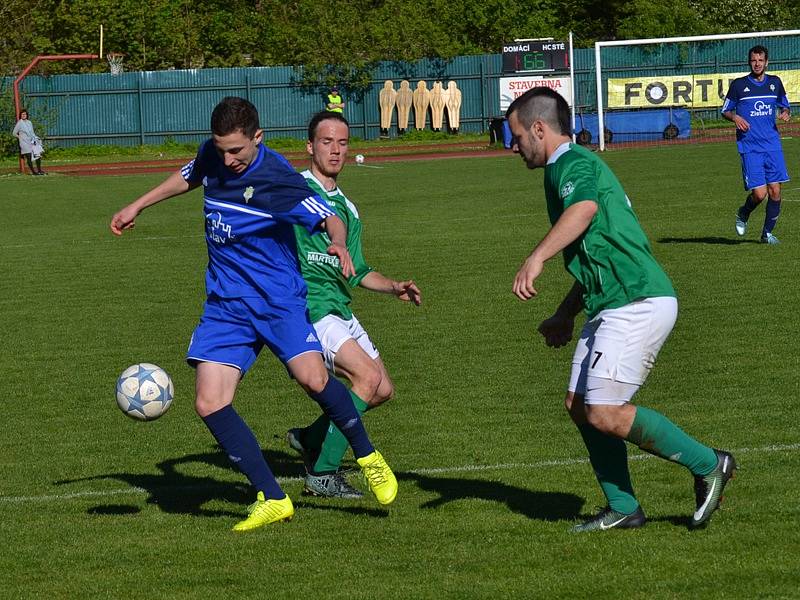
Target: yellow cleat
pixel 263 512
pixel 379 477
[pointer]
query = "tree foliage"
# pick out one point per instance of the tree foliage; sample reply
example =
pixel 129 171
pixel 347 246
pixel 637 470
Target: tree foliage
pixel 341 41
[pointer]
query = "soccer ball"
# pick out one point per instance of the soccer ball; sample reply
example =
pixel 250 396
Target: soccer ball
pixel 360 159
pixel 144 392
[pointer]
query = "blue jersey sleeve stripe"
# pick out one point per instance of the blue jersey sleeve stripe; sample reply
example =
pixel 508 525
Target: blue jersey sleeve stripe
pixel 237 207
pixel 186 170
pixel 315 206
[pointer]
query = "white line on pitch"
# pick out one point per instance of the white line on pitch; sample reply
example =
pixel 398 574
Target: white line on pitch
pixel 425 471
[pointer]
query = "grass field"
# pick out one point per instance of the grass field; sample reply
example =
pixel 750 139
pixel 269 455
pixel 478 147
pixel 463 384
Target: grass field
pixel 492 473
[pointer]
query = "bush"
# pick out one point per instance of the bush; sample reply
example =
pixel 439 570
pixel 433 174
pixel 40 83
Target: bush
pixel 9 145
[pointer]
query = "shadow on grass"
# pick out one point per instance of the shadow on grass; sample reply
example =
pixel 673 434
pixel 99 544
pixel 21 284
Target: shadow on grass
pixel 545 506
pixel 723 241
pixel 176 492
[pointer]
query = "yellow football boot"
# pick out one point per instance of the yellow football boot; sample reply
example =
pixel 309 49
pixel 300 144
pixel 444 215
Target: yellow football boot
pixel 379 477
pixel 263 512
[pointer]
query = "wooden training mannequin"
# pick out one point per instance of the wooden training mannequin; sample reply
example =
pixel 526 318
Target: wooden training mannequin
pixel 437 106
pixel 453 105
pixel 422 98
pixel 387 99
pixel 404 101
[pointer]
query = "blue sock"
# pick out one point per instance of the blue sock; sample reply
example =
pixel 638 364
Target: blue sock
pixel 335 400
pixel 771 218
pixel 238 441
pixel 748 207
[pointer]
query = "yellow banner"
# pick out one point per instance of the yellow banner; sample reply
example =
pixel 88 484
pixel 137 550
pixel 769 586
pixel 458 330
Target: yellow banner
pixel 689 91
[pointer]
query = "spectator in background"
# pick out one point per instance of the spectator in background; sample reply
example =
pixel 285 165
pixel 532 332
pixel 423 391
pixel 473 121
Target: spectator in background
pixel 335 102
pixel 30 145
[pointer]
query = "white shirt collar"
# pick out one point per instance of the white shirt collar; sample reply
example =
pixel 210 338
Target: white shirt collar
pixel 558 152
pixel 309 175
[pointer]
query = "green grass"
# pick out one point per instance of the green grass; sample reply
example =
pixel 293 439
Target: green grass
pixel 492 473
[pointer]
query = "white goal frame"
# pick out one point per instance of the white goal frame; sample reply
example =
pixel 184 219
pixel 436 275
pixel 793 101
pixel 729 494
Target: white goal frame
pixel 695 38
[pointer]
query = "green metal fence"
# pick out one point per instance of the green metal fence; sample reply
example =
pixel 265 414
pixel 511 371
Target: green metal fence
pixel 150 107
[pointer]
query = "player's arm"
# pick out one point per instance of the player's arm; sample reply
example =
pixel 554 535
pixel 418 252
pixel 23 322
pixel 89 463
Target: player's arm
pixel 337 232
pixel 557 330
pixel 569 227
pixel 729 109
pixel 407 291
pixel 174 185
pixel 741 123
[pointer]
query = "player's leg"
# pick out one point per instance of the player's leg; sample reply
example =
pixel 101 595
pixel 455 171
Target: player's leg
pixel 607 454
pixel 775 168
pixel 335 400
pixel 334 332
pixel 215 388
pixel 609 459
pixel 755 183
pixel 368 377
pixel 626 346
pixel 293 340
pixel 223 347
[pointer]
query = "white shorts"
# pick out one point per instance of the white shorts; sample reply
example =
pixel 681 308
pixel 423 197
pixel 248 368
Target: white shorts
pixel 617 349
pixel 333 331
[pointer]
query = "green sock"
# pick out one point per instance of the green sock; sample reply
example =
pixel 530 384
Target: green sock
pixel 656 434
pixel 609 458
pixel 335 445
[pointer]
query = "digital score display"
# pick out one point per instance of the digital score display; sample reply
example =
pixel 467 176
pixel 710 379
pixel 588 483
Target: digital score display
pixel 535 57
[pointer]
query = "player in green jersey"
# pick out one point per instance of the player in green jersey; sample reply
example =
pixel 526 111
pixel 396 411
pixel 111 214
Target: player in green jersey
pixel 631 309
pixel 347 349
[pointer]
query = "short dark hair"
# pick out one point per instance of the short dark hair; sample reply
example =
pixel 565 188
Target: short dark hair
pixel 759 49
pixel 234 114
pixel 321 116
pixel 542 104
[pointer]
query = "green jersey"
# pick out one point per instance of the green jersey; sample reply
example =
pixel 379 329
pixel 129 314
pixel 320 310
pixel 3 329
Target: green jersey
pixel 612 259
pixel 328 291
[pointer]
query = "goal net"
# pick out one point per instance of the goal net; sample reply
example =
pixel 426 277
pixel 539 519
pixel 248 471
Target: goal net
pixel 671 90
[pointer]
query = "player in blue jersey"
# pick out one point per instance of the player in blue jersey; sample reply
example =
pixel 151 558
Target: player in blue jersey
pixel 752 103
pixel 256 295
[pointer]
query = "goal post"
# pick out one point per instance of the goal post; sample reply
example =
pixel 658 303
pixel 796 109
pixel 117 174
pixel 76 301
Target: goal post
pixel 663 90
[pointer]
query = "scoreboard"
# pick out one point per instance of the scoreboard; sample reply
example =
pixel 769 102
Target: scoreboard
pixel 535 57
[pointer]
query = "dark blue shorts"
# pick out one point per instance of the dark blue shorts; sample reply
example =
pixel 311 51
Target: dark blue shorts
pixel 233 332
pixel 761 168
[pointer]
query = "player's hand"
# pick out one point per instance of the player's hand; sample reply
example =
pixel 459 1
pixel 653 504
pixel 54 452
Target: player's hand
pixel 124 219
pixel 741 124
pixel 784 116
pixel 407 291
pixel 527 274
pixel 348 270
pixel 557 330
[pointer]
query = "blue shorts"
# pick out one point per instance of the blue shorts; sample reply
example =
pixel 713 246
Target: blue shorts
pixel 761 168
pixel 233 331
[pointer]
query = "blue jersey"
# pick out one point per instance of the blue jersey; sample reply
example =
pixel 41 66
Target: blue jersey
pixel 249 224
pixel 758 103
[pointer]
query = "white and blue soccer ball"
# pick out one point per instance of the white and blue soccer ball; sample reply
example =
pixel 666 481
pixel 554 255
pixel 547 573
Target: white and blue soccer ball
pixel 360 159
pixel 144 391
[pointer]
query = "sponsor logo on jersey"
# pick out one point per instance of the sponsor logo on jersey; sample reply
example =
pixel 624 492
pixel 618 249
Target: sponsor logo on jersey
pixel 761 109
pixel 567 189
pixel 248 194
pixel 321 257
pixel 217 229
pixel 746 89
